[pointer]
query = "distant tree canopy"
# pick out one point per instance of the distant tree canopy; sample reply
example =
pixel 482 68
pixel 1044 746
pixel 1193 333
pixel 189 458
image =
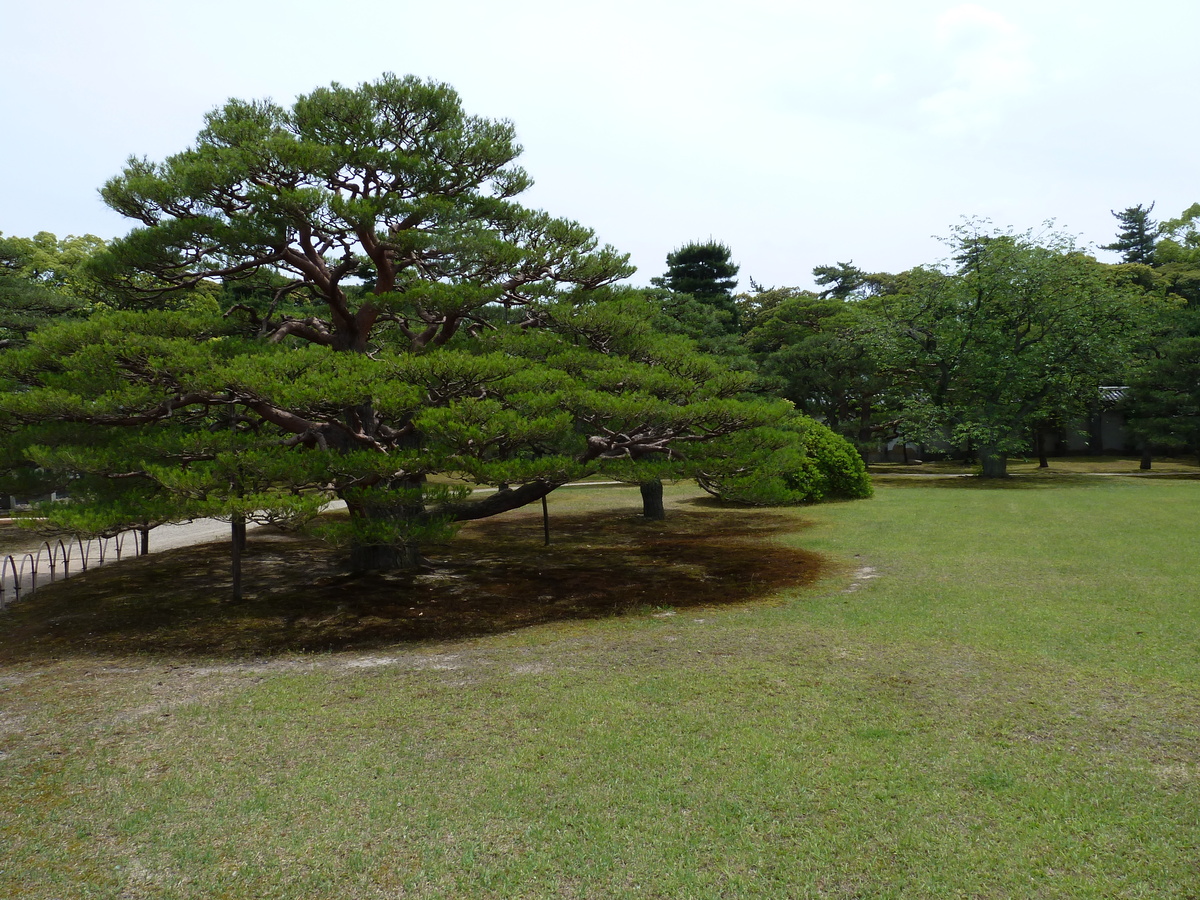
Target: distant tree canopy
pixel 1015 328
pixel 841 281
pixel 1162 403
pixel 40 282
pixel 1137 236
pixel 821 354
pixel 706 272
pixel 1177 256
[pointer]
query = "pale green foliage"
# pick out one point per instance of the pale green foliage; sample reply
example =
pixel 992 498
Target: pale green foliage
pixel 1177 256
pixel 38 283
pixel 52 262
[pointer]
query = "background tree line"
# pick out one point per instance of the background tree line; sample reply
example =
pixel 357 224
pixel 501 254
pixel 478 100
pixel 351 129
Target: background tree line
pixel 985 353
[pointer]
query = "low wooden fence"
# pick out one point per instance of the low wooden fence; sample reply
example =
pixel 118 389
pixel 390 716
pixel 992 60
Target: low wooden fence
pixel 22 573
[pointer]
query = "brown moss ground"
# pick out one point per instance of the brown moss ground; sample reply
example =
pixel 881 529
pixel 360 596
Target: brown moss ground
pixel 494 576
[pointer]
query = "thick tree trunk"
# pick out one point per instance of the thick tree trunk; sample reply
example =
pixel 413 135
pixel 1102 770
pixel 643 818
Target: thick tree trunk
pixel 144 532
pixel 865 434
pixel 382 557
pixel 404 551
pixel 652 499
pixel 1039 440
pixel 400 552
pixel 388 526
pixel 388 516
pixel 1147 459
pixel 994 463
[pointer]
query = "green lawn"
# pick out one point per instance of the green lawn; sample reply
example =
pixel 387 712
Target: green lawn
pixel 1058 465
pixel 990 692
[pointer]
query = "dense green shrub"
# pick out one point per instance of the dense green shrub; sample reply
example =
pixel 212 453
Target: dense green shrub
pixel 800 461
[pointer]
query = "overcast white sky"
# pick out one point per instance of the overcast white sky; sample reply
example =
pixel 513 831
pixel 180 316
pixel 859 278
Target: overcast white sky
pixel 798 133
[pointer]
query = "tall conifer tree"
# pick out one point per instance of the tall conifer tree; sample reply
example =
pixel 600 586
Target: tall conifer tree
pixel 1137 236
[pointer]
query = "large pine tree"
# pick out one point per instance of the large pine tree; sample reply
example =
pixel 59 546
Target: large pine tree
pixel 405 317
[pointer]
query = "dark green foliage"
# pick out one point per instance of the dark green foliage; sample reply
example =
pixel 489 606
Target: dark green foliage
pixel 821 354
pixel 841 281
pixel 1162 403
pixel 390 183
pixel 1137 237
pixel 706 272
pixel 711 329
pixel 187 403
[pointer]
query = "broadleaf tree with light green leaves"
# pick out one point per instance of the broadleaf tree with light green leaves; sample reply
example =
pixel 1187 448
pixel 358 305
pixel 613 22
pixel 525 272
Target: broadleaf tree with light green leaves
pixel 1013 329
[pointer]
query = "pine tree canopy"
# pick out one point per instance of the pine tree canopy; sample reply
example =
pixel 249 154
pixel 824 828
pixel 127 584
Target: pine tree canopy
pixel 370 308
pixel 1137 236
pixel 704 270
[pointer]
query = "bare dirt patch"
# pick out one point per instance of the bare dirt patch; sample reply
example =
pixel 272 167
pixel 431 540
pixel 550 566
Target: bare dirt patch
pixel 861 576
pixel 495 576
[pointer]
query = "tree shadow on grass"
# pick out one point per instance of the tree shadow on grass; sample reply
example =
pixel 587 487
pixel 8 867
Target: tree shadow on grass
pixel 495 576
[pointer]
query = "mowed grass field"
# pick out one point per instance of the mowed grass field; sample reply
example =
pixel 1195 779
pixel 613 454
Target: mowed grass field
pixel 980 692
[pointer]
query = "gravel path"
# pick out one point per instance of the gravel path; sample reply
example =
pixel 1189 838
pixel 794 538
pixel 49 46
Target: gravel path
pixel 203 531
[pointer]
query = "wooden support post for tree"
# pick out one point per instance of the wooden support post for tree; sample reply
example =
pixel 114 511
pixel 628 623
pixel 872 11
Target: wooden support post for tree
pixel 546 520
pixel 237 522
pixel 237 546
